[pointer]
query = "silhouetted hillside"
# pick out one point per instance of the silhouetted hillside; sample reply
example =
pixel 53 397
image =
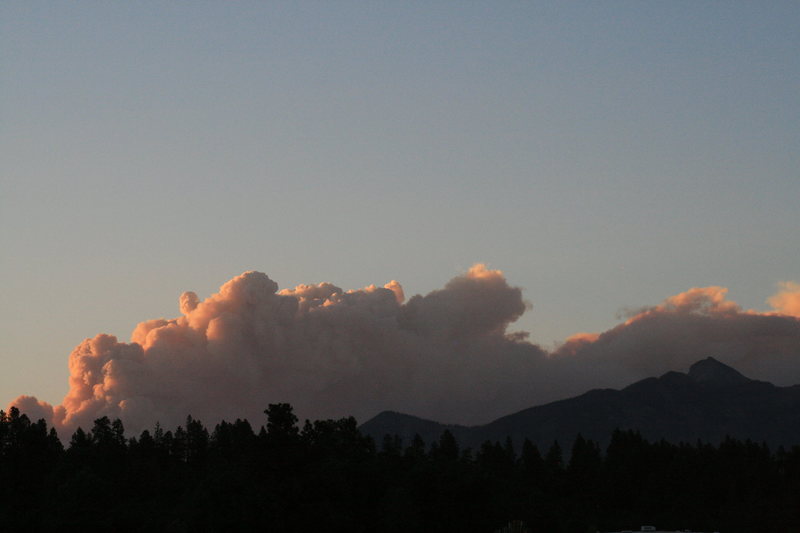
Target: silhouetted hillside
pixel 710 402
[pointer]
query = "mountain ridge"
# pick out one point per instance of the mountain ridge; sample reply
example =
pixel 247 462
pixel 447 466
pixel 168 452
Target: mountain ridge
pixel 709 402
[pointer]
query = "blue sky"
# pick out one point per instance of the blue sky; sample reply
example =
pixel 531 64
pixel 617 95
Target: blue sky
pixel 603 155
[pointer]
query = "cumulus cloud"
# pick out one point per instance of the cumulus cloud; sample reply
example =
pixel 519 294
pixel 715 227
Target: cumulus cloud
pixel 446 355
pixel 689 326
pixel 787 300
pixel 328 351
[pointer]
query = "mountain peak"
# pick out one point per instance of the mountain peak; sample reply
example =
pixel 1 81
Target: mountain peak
pixel 711 371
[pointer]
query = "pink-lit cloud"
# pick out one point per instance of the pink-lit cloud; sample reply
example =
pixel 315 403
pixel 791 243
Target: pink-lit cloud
pixel 446 355
pixel 327 351
pixel 787 300
pixel 687 327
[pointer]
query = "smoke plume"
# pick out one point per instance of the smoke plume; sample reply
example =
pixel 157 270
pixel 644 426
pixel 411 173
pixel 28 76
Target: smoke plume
pixel 689 326
pixel 787 300
pixel 446 355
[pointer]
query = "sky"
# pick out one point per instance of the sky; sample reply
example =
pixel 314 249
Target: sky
pixel 604 156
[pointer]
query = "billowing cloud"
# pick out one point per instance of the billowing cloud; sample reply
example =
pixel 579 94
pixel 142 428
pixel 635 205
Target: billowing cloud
pixel 687 327
pixel 328 351
pixel 446 355
pixel 787 300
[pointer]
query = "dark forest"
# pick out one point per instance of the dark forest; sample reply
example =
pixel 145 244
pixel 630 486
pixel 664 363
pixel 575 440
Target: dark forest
pixel 327 476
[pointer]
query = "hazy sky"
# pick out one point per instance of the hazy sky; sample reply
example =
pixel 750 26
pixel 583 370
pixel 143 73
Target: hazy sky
pixel 604 155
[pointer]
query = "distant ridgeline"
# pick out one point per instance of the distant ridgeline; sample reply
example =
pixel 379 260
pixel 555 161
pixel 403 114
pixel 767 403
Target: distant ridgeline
pixel 711 402
pixel 328 476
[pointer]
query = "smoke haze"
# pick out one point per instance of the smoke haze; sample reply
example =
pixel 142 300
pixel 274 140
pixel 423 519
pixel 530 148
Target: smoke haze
pixel 446 355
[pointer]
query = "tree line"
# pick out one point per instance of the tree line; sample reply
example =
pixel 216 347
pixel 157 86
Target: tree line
pixel 326 476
